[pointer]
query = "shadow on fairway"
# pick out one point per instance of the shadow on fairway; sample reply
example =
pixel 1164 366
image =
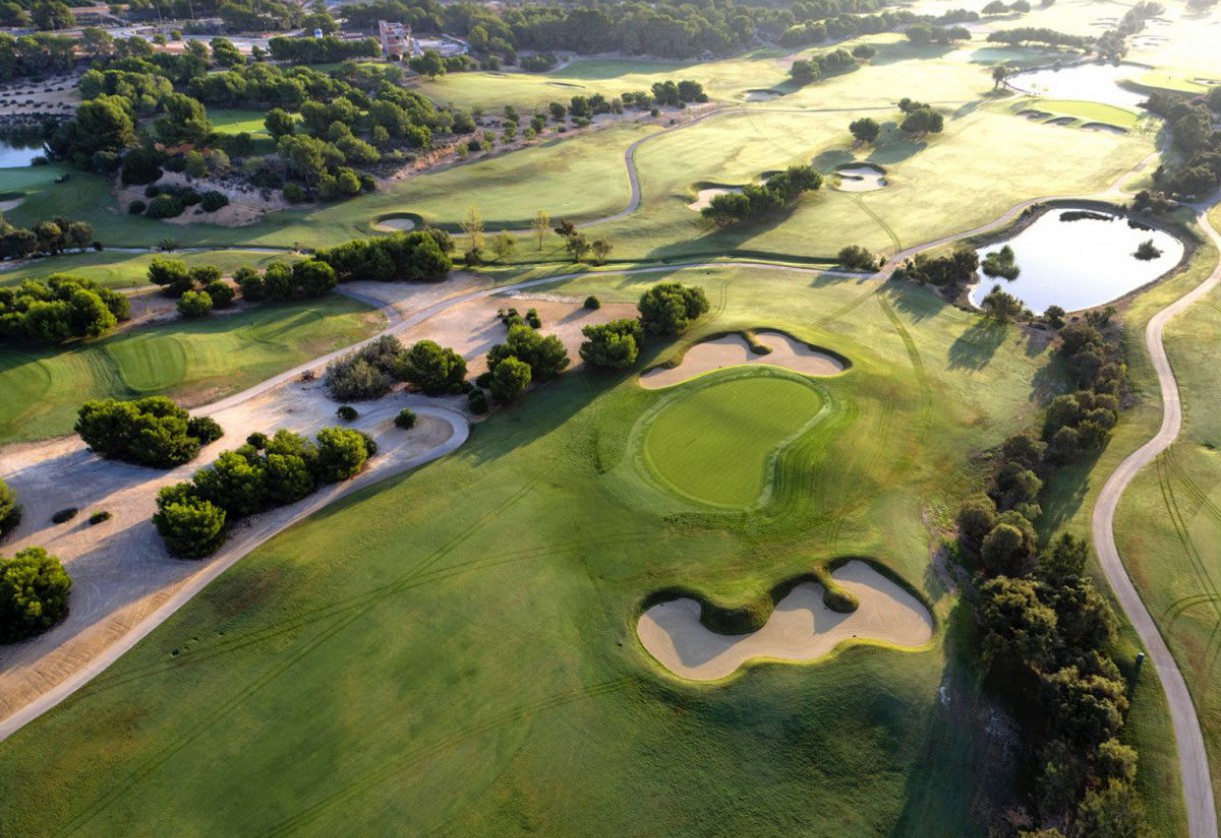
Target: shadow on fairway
pixel 974 348
pixel 918 303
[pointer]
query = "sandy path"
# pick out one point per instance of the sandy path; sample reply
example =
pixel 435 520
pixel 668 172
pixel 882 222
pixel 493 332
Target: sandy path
pixel 734 351
pixel 800 629
pixel 1193 756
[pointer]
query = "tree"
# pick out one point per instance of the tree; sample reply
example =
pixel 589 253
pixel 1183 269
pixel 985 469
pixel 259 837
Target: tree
pixel 34 590
pixel 601 249
pixel 288 477
pixel 923 121
pixel 546 356
pixel 856 258
pixel 865 130
pixel 195 304
pixel 1016 627
pixel 669 307
pixel 472 225
pixel 279 123
pixel 1113 811
pixel 314 277
pixel 976 518
pixel 999 73
pixel 1005 549
pixel 510 379
pixel 612 346
pixel 434 369
pixel 504 245
pixel 1000 305
pixel 578 246
pixel 342 453
pixel 152 431
pixel 803 72
pixel 429 64
pixel 10 510
pixel 52 14
pixel 540 224
pixel 1065 561
pixel 171 274
pixel 185 120
pixel 233 483
pixel 190 526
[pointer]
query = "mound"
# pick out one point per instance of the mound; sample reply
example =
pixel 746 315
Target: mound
pixel 800 629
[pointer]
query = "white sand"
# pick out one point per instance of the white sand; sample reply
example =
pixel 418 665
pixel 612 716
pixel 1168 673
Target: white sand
pixel 859 179
pixel 5 206
pixel 394 225
pixel 734 351
pixel 800 629
pixel 704 197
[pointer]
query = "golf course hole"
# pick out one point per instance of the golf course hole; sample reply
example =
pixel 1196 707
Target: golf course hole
pixel 717 444
pixel 801 628
pixel 775 349
pixel 397 223
pixel 860 177
pixel 703 197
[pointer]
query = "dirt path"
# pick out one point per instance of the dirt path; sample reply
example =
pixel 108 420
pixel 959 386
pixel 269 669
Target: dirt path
pixel 1193 756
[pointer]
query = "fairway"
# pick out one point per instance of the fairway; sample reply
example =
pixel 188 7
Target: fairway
pixel 717 443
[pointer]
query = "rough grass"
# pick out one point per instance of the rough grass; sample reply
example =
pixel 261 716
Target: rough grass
pixel 715 441
pixel 130 270
pixel 192 361
pixel 454 649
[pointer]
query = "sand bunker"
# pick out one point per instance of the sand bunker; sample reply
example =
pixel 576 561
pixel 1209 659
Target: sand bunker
pixel 762 95
pixel 10 204
pixel 1061 120
pixel 734 351
pixel 394 225
pixel 801 628
pixel 1034 115
pixel 1102 126
pixel 704 197
pixel 859 177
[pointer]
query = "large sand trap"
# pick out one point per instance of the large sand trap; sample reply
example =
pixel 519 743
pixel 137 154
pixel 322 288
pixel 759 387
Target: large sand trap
pixel 762 95
pixel 800 629
pixel 734 351
pixel 704 197
pixel 860 177
pixel 394 225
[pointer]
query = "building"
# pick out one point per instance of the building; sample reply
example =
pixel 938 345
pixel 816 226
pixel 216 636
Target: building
pixel 395 39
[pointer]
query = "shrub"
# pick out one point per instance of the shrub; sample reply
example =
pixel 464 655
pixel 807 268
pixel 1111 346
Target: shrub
pixel 195 304
pixel 99 517
pixel 365 373
pixel 510 379
pixel 220 292
pixel 669 307
pixel 63 516
pixel 213 200
pixel 10 510
pixel 294 194
pixel 477 402
pixel 347 413
pixel 614 345
pixel 251 283
pixel 546 356
pixel 34 590
pixel 152 431
pixel 137 207
pixel 205 429
pixel 856 258
pixel 341 454
pixel 165 206
pixel 593 303
pixel 190 526
pixel 405 419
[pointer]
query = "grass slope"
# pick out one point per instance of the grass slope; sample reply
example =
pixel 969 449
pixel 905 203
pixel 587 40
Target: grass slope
pixel 193 361
pixel 454 649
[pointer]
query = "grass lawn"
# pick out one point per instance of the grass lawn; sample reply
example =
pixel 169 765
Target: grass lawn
pixel 1089 112
pixel 195 361
pixel 454 649
pixel 716 441
pixel 237 120
pixel 130 270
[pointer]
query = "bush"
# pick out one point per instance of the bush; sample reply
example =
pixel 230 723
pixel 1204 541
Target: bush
pixel 165 206
pixel 347 413
pixel 205 429
pixel 190 526
pixel 431 367
pixel 195 304
pixel 510 379
pixel 546 356
pixel 152 431
pixel 477 402
pixel 212 200
pixel 99 517
pixel 669 307
pixel 341 454
pixel 294 194
pixel 365 373
pixel 856 258
pixel 34 590
pixel 593 303
pixel 405 419
pixel 137 207
pixel 10 510
pixel 63 516
pixel 614 345
pixel 251 284
pixel 220 292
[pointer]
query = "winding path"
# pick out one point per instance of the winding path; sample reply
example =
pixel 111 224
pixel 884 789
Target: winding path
pixel 1193 757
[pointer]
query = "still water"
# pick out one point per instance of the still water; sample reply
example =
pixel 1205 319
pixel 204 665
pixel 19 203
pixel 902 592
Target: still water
pixel 1083 82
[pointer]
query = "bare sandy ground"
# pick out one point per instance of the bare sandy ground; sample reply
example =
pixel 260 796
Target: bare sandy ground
pixel 25 96
pixel 245 207
pixel 800 629
pixel 734 351
pixel 704 197
pixel 859 179
pixel 394 225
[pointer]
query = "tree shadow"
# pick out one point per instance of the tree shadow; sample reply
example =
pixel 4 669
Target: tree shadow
pixel 1065 492
pixel 897 148
pixel 916 301
pixel 829 160
pixel 974 348
pixel 907 51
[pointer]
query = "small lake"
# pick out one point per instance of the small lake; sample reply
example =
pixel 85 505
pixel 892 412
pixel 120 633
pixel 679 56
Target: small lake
pixel 1079 264
pixel 1082 82
pixel 16 155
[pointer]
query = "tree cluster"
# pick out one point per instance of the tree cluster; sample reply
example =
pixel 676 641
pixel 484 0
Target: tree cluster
pixel 414 256
pixel 34 590
pixel 152 431
pixel 46 238
pixel 951 270
pixel 525 357
pixel 365 373
pixel 668 308
pixel 59 308
pixel 325 50
pixel 756 200
pixel 1038 35
pixel 920 118
pixel 1199 171
pixel 193 518
pixel 614 345
pixel 923 34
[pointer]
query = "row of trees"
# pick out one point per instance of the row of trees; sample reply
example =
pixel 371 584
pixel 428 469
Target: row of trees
pixel 951 270
pixel 413 256
pixel 153 431
pixel 59 308
pixel 325 50
pixel 1025 35
pixel 193 518
pixel 46 238
pixel 778 191
pixel 806 71
pixel 1045 633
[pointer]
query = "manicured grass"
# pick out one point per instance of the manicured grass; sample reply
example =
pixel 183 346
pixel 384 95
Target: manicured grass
pixel 130 270
pixel 237 120
pixel 716 441
pixel 192 361
pixel 454 649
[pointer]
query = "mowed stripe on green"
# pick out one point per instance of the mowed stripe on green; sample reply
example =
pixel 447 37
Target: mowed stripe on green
pixel 716 444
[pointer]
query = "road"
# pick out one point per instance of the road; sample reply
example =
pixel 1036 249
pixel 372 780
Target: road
pixel 1193 757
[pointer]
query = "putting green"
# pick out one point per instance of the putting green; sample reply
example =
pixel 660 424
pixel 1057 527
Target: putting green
pixel 717 444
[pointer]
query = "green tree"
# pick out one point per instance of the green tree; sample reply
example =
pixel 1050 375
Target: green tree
pixel 279 123
pixel 52 15
pixel 510 379
pixel 923 121
pixel 803 72
pixel 540 224
pixel 233 483
pixel 171 274
pixel 342 453
pixel 668 308
pixel 1016 627
pixel 10 510
pixel 999 73
pixel 612 346
pixel 976 518
pixel 190 526
pixel 195 304
pixel 546 356
pixel 34 590
pixel 432 368
pixel 185 120
pixel 865 130
pixel 504 246
pixel 429 64
pixel 314 277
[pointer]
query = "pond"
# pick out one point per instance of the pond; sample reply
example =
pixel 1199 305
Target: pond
pixel 1079 264
pixel 16 154
pixel 1083 82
